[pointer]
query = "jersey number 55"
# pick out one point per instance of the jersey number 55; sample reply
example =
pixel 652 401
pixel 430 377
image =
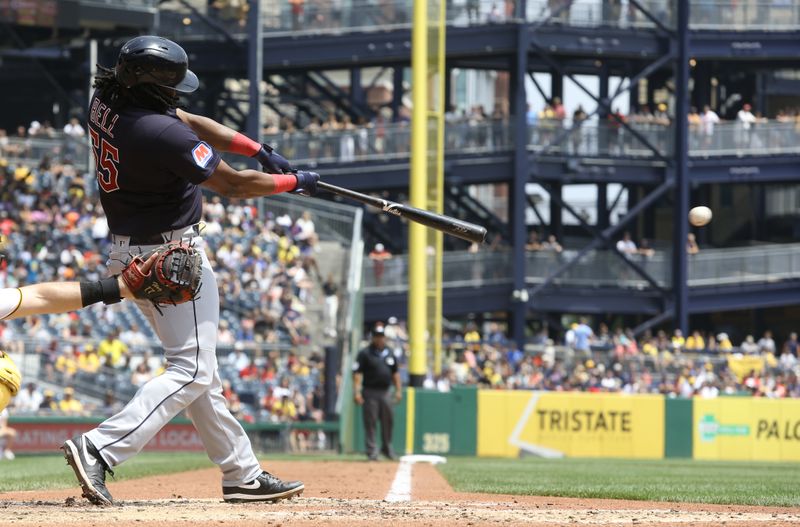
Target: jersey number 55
pixel 106 160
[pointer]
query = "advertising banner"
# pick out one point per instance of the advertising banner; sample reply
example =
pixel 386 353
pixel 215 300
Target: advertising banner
pixel 550 424
pixel 43 436
pixel 747 428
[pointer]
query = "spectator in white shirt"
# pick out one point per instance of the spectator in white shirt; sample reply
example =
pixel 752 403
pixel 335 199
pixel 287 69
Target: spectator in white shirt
pixel 74 129
pixel 745 117
pixel 626 246
pixel 305 228
pixel 29 399
pixel 709 119
pixel 134 338
pixel 766 344
pixel 238 358
pixel 749 346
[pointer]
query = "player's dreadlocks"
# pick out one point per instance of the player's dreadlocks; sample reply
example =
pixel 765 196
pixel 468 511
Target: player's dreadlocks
pixel 147 96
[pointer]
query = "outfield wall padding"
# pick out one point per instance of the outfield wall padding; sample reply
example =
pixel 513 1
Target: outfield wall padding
pixel 678 428
pixel 446 423
pixel 514 423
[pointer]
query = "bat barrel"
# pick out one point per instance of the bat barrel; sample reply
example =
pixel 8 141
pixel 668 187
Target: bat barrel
pixel 447 224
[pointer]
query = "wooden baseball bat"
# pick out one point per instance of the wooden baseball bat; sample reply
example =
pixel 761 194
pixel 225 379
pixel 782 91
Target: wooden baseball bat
pixel 448 225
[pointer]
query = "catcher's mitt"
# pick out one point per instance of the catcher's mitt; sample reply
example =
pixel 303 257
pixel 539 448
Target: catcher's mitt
pixel 173 279
pixel 10 380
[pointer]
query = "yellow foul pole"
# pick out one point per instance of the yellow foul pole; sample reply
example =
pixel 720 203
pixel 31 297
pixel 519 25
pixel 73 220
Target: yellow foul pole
pixel 436 83
pixel 418 182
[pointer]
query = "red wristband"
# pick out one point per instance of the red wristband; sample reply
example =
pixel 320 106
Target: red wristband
pixel 243 145
pixel 284 182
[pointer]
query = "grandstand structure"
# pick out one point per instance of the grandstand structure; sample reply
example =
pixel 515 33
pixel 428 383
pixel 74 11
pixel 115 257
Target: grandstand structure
pixel 350 58
pixel 682 54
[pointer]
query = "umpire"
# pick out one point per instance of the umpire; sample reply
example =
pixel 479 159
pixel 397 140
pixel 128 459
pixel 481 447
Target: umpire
pixel 374 370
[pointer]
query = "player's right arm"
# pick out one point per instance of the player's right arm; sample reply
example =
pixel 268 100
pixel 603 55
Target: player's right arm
pixel 225 139
pixel 248 183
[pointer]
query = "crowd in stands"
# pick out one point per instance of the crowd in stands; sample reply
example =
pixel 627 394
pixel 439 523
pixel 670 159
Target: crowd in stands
pixel 603 359
pixel 316 15
pixel 475 129
pixel 52 228
pixel 322 15
pixel 342 138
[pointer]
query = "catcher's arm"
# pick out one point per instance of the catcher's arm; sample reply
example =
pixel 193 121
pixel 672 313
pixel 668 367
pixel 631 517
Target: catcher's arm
pixel 52 297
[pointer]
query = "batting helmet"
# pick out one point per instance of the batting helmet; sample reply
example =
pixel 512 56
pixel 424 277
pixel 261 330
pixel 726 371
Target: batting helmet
pixel 155 60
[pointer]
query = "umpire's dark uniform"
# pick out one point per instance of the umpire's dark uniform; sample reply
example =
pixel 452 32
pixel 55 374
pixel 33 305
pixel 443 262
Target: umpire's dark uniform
pixel 375 370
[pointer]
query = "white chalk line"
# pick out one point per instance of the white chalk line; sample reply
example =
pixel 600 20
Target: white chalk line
pixel 401 486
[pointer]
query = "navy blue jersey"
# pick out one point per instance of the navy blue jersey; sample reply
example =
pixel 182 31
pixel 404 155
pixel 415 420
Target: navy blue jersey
pixel 149 166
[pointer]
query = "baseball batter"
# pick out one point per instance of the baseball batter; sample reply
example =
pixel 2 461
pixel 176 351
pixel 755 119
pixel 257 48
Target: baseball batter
pixel 151 161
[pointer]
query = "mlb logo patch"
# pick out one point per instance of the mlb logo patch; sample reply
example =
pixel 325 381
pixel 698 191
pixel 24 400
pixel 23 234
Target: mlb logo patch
pixel 202 154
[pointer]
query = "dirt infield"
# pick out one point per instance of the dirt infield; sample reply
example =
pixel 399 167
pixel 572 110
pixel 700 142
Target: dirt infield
pixel 344 494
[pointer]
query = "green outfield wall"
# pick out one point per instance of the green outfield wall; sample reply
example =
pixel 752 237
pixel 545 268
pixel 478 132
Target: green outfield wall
pixel 513 423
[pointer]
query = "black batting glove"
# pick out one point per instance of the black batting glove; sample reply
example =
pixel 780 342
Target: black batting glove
pixel 306 183
pixel 271 161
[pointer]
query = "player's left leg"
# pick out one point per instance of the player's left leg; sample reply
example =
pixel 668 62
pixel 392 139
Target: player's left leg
pixel 228 446
pixel 223 437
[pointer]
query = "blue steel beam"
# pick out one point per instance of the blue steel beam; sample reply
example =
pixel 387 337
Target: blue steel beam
pixel 388 48
pixel 680 229
pixel 461 301
pixel 519 235
pixel 648 200
pixel 746 45
pixel 455 301
pixel 598 301
pixel 747 169
pixel 471 169
pixel 745 296
pixel 255 73
pixel 598 233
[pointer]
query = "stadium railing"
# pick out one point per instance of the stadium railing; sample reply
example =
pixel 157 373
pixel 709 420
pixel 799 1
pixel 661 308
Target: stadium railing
pixel 762 263
pixel 332 221
pixel 321 17
pixel 391 142
pixel 126 3
pixel 590 139
pixel 748 15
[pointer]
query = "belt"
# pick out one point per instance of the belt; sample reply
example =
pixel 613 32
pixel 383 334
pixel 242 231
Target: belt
pixel 156 239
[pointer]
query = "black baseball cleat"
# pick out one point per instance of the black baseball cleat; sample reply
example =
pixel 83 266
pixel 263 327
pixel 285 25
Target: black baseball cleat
pixel 265 487
pixel 90 469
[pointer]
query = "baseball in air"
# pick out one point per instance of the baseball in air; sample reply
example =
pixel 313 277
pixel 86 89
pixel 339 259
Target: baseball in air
pixel 700 216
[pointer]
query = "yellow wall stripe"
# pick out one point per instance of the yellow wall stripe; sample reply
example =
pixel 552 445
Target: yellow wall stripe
pixel 410 413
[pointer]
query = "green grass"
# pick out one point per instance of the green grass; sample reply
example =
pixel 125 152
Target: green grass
pixel 742 483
